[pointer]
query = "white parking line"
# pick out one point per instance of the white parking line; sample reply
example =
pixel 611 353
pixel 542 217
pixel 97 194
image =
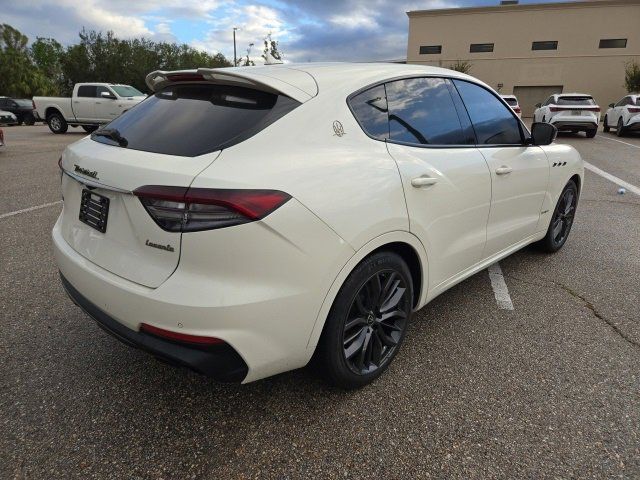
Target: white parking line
pixel 619 141
pixel 30 209
pixel 500 290
pixel 611 178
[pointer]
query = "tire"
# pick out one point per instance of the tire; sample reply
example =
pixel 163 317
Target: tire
pixel 544 120
pixel 591 133
pixel 89 128
pixel 29 119
pixel 561 220
pixel 57 123
pixel 620 128
pixel 379 285
pixel 605 125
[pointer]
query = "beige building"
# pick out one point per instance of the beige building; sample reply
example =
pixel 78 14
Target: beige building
pixel 534 50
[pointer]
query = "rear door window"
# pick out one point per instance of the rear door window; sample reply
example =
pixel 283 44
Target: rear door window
pixel 493 122
pixel 194 119
pixel 87 91
pixel 422 111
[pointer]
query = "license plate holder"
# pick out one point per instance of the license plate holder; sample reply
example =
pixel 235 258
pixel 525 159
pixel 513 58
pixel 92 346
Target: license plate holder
pixel 94 210
pixel 576 113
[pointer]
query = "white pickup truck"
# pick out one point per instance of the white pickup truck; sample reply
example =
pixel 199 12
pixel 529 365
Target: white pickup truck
pixel 91 105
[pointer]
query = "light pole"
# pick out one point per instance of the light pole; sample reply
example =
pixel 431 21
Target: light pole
pixel 235 57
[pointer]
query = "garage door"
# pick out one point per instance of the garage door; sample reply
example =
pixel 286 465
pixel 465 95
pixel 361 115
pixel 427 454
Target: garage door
pixel 529 96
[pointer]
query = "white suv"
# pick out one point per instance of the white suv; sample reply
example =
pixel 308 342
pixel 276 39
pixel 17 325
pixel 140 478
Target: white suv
pixel 512 101
pixel 572 112
pixel 242 220
pixel 624 116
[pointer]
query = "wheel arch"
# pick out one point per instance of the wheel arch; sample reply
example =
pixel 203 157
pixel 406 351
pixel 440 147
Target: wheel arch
pixel 402 243
pixel 50 111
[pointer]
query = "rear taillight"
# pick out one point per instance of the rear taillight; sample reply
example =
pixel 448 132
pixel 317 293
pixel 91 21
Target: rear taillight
pixel 634 110
pixel 183 209
pixel 517 109
pixel 179 337
pixel 33 104
pixel 576 107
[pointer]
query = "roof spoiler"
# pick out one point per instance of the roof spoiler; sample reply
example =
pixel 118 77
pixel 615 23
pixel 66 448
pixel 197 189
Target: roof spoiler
pixel 299 85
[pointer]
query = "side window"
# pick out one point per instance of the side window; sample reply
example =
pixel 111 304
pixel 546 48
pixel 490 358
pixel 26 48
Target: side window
pixel 370 109
pixel 87 91
pixel 494 122
pixel 3 102
pixel 549 101
pixel 421 110
pixel 101 89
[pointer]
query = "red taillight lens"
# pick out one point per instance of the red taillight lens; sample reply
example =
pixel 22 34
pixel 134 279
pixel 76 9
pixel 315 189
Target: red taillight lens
pixel 516 109
pixel 183 209
pixel 634 110
pixel 575 107
pixel 33 104
pixel 179 337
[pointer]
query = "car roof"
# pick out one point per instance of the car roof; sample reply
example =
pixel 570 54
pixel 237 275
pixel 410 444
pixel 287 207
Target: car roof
pixel 573 95
pixel 303 81
pixel 508 96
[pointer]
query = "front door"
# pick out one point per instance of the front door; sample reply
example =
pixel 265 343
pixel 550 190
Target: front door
pixel 519 172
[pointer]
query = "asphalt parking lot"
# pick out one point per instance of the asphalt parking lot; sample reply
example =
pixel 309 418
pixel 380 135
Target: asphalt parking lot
pixel 550 389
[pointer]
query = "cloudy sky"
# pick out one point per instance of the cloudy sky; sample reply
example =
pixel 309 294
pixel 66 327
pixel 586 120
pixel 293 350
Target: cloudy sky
pixel 308 30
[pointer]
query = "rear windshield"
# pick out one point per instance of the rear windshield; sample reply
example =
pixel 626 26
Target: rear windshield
pixel 575 101
pixel 23 102
pixel 511 101
pixel 194 119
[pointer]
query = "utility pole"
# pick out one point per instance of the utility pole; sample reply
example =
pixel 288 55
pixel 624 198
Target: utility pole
pixel 235 57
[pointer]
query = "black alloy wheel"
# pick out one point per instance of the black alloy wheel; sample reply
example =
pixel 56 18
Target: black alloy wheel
pixel 375 322
pixel 367 322
pixel 562 219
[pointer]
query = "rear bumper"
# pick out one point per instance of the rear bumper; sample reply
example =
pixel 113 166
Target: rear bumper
pixel 220 362
pixel 575 125
pixel 634 124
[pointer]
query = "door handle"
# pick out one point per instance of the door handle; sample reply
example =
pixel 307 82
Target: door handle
pixel 503 170
pixel 423 181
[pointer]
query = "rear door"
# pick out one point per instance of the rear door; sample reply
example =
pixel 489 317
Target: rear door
pixel 84 103
pixel 519 172
pixel 166 140
pixel 445 178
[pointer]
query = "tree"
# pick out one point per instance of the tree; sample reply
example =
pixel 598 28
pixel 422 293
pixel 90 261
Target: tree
pixel 462 66
pixel 271 49
pixel 632 76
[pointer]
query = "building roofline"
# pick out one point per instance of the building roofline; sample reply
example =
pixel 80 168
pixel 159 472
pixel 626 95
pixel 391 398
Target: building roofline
pixel 521 7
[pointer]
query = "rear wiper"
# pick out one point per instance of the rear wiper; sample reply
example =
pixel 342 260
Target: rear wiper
pixel 113 134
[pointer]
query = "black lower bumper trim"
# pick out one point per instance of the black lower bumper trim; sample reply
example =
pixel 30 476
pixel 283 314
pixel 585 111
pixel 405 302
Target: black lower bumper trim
pixel 569 125
pixel 220 362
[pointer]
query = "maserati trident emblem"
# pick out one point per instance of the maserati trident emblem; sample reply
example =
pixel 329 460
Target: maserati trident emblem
pixel 167 248
pixel 338 128
pixel 84 171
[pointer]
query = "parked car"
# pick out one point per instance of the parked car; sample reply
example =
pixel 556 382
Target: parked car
pixel 92 104
pixel 22 108
pixel 7 118
pixel 571 112
pixel 512 100
pixel 242 220
pixel 624 116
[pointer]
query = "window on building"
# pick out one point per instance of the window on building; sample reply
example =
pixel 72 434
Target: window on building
pixel 613 43
pixel 370 109
pixel 430 49
pixel 493 121
pixel 421 110
pixel 546 45
pixel 481 47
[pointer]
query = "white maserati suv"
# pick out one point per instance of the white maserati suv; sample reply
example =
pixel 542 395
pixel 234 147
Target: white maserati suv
pixel 242 222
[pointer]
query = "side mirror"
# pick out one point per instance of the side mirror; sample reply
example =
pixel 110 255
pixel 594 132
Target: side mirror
pixel 108 95
pixel 611 105
pixel 538 105
pixel 543 133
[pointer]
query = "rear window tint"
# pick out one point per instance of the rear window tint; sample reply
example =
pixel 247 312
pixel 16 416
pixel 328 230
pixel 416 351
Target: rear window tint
pixel 194 119
pixel 575 101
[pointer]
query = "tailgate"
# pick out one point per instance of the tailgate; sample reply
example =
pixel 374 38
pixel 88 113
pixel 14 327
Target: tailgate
pixel 132 245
